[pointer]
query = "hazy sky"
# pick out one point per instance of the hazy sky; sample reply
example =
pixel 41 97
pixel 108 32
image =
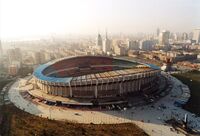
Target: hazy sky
pixel 40 17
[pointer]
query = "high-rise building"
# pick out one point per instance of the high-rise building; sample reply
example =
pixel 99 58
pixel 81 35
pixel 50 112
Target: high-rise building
pixel 133 45
pixel 1 50
pixel 164 38
pixel 99 42
pixel 196 35
pixel 157 32
pixel 174 36
pixel 146 45
pixel 1 55
pixel 39 57
pixel 14 55
pixel 106 44
pixel 190 35
pixel 184 36
pixel 120 49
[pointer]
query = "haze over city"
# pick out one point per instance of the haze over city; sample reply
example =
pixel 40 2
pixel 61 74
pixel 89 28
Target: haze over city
pixel 99 67
pixel 29 18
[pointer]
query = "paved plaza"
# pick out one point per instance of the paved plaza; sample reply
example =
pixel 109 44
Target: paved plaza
pixel 149 117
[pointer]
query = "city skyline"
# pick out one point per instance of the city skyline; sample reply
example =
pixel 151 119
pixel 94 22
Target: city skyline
pixel 99 67
pixel 32 18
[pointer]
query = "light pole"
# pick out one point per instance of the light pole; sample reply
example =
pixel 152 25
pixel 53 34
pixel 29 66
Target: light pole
pixel 50 112
pixel 3 98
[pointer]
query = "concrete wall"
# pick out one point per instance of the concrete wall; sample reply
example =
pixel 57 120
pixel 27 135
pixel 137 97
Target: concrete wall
pixel 108 88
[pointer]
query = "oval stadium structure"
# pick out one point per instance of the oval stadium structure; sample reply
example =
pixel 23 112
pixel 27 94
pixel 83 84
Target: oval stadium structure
pixel 94 77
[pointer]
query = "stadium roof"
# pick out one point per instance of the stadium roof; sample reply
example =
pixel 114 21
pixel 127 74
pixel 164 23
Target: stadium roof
pixel 38 72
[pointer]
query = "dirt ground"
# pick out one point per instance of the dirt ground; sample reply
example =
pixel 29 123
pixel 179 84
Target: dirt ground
pixel 19 123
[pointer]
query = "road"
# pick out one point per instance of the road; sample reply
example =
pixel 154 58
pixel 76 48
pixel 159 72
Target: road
pixel 150 117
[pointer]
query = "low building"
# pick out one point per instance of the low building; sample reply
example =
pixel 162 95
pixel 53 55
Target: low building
pixel 13 70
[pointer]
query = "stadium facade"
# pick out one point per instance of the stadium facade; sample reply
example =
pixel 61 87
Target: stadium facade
pixel 95 77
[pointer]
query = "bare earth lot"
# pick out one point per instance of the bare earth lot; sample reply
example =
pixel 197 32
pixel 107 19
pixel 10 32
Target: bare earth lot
pixel 19 123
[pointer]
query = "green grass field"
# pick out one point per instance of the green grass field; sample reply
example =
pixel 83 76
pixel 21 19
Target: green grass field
pixel 192 79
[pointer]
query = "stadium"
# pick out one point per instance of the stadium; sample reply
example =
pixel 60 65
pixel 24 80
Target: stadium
pixel 84 79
